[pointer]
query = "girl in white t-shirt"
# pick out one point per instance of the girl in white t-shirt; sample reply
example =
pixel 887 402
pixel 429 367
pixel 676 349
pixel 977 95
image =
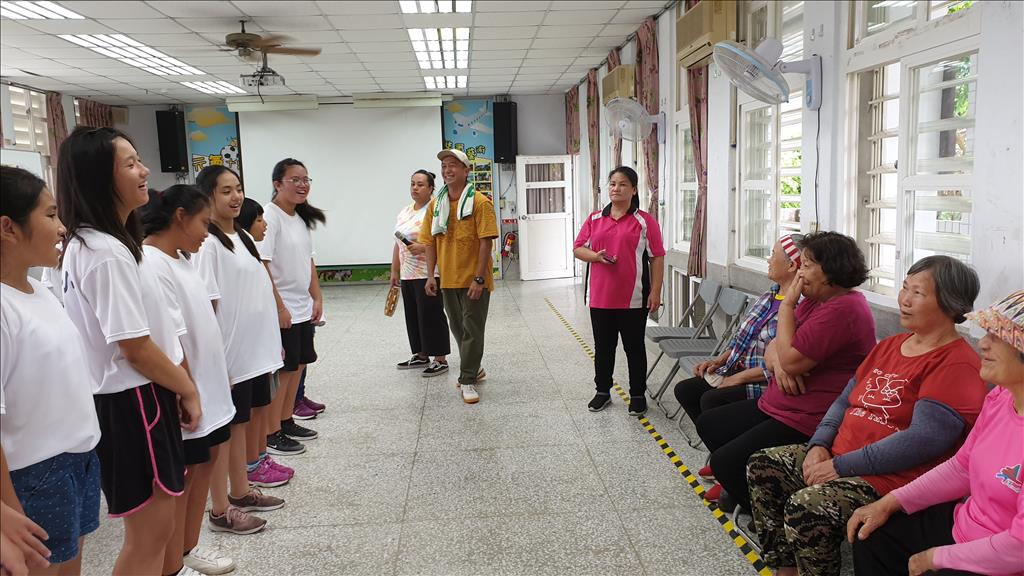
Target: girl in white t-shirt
pixel 240 285
pixel 132 351
pixel 48 425
pixel 288 250
pixel 175 222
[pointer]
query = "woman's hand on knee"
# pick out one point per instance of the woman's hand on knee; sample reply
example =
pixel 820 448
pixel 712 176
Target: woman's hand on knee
pixel 867 519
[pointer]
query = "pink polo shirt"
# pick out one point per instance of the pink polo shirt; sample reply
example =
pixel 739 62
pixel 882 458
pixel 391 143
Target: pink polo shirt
pixel 632 239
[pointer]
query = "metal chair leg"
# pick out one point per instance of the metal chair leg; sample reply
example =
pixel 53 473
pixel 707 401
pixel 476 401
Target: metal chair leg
pixel 664 385
pixel 655 365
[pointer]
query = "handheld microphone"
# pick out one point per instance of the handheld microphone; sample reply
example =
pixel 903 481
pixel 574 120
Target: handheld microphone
pixel 405 240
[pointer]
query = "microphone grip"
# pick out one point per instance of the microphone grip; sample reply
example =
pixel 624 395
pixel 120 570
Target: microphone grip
pixel 405 240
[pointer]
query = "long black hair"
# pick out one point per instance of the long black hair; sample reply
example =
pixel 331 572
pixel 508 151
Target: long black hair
pixel 630 175
pixel 158 213
pixel 85 187
pixel 310 214
pixel 206 180
pixel 19 194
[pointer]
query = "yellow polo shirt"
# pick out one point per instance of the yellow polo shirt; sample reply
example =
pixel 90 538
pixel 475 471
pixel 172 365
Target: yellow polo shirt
pixel 459 249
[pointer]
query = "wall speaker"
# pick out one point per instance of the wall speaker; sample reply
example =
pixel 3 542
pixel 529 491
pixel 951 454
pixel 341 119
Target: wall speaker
pixel 506 139
pixel 170 133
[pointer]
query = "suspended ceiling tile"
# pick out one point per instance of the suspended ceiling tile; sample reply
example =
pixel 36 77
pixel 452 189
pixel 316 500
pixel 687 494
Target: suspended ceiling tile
pixel 576 18
pixel 366 21
pixel 578 43
pixel 516 44
pixel 196 9
pixel 575 5
pixel 633 16
pixel 373 57
pixel 112 9
pixel 358 7
pixel 451 20
pixel 485 64
pixel 61 52
pixel 478 54
pixel 409 64
pixel 508 19
pixel 496 6
pixel 588 31
pixel 10 28
pixel 543 69
pixel 148 25
pixel 69 26
pixel 620 31
pixel 503 33
pixel 376 36
pixel 220 25
pixel 335 66
pixel 164 40
pixel 37 41
pixel 294 23
pixel 289 8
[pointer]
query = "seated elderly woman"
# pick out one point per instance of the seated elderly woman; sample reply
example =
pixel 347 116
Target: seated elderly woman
pixel 926 525
pixel 738 373
pixel 908 408
pixel 817 347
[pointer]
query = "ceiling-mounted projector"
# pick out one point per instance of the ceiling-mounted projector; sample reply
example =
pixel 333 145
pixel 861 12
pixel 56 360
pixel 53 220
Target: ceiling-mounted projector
pixel 262 78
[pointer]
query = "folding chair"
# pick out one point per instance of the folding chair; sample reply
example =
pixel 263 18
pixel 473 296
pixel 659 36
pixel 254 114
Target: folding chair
pixel 733 303
pixel 708 294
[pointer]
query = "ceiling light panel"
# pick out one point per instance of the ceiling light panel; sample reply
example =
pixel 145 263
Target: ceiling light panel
pixel 37 11
pixel 435 6
pixel 443 82
pixel 440 48
pixel 217 87
pixel 133 53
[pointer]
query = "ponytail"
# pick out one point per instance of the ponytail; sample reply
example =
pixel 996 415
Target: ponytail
pixel 158 213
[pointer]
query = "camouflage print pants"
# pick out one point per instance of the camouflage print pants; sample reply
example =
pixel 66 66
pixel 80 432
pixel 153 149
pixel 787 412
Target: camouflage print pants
pixel 801 525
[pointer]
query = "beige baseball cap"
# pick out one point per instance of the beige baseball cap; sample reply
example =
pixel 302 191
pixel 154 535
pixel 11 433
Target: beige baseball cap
pixel 457 154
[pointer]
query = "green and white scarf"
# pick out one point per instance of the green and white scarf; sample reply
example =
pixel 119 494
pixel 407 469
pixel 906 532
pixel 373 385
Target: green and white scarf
pixel 442 209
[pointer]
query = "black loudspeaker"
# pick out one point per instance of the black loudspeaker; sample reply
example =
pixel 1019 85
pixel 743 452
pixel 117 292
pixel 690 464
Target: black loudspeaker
pixel 506 138
pixel 170 132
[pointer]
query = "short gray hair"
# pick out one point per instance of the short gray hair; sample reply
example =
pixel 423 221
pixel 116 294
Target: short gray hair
pixel 956 284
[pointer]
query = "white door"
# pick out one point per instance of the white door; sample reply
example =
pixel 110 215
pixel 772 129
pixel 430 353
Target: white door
pixel 544 199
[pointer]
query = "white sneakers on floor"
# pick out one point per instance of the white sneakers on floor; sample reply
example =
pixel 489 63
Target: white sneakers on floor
pixel 469 394
pixel 206 561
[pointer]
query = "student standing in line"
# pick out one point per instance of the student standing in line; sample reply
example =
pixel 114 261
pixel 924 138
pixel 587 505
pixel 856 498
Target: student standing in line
pixel 425 322
pixel 459 229
pixel 175 222
pixel 132 348
pixel 287 249
pixel 48 426
pixel 624 246
pixel 238 284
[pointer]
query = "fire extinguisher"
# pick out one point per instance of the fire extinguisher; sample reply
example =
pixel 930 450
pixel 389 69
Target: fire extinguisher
pixel 510 240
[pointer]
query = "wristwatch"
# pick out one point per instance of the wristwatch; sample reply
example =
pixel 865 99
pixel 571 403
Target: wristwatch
pixel 479 280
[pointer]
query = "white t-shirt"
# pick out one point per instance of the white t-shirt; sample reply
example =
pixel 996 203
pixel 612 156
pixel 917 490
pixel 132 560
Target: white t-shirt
pixel 204 348
pixel 109 298
pixel 288 246
pixel 43 380
pixel 246 309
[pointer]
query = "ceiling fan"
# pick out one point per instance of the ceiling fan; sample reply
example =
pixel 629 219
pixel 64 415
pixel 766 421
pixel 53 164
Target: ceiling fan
pixel 254 47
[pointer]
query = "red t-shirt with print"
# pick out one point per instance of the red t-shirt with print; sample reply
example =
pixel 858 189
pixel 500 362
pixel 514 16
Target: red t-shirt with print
pixel 889 384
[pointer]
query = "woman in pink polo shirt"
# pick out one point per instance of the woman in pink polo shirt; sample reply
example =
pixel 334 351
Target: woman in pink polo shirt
pixel 626 262
pixel 927 525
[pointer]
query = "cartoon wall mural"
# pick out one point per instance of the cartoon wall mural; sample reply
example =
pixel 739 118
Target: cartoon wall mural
pixel 469 126
pixel 213 137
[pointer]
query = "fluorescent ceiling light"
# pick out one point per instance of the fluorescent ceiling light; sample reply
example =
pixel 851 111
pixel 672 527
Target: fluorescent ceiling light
pixel 442 82
pixel 463 6
pixel 133 53
pixel 444 6
pixel 428 6
pixel 37 11
pixel 408 6
pixel 440 48
pixel 217 87
pixel 435 6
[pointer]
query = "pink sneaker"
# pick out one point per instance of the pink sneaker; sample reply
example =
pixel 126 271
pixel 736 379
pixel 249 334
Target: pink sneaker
pixel 303 411
pixel 315 406
pixel 279 467
pixel 268 477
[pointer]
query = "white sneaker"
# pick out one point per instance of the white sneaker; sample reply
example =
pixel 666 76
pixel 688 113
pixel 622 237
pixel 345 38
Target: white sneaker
pixel 208 561
pixel 480 377
pixel 186 571
pixel 469 394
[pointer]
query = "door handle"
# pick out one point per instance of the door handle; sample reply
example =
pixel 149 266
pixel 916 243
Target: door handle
pixel 523 217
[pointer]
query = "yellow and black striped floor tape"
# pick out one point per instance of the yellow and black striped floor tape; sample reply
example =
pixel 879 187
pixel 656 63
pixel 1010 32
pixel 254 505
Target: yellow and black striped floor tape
pixel 748 551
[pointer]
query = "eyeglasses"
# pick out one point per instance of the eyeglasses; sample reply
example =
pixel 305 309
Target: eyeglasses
pixel 296 181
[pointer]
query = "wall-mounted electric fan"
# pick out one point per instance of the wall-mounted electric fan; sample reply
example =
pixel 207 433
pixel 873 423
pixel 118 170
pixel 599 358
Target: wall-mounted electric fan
pixel 759 72
pixel 629 120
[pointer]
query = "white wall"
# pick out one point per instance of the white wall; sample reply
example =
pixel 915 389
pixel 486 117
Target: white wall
pixel 541 124
pixel 141 127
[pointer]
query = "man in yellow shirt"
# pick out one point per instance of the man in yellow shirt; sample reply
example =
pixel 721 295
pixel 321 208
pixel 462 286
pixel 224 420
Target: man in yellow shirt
pixel 459 230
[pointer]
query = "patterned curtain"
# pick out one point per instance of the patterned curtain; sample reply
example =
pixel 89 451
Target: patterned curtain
pixel 647 95
pixel 95 114
pixel 697 83
pixel 56 122
pixel 593 118
pixel 572 120
pixel 613 61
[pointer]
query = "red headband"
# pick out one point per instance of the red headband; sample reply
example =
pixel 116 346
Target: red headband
pixel 790 248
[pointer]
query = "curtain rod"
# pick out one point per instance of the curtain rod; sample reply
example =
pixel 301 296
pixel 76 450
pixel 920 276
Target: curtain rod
pixel 630 38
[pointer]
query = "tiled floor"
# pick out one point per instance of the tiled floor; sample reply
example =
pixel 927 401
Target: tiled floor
pixel 406 479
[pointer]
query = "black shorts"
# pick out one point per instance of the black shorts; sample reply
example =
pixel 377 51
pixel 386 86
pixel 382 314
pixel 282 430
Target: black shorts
pixel 261 391
pixel 140 444
pixel 197 450
pixel 241 397
pixel 297 342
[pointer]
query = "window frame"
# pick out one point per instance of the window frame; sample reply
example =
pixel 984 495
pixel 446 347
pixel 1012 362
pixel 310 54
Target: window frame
pixel 680 184
pixel 921 16
pixel 20 112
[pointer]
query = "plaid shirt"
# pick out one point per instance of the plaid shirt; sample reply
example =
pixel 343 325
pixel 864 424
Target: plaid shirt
pixel 748 344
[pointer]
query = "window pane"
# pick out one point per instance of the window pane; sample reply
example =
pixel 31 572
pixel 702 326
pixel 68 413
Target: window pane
pixel 545 200
pixel 759 231
pixel 942 224
pixel 940 8
pixel 883 14
pixel 880 144
pixel 757 203
pixel 792 27
pixel 757 140
pixel 553 172
pixel 945 96
pixel 758 26
pixel 790 162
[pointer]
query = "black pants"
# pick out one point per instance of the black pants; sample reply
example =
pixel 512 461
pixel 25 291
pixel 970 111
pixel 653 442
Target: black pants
pixel 425 321
pixel 733 433
pixel 696 396
pixel 888 549
pixel 607 325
